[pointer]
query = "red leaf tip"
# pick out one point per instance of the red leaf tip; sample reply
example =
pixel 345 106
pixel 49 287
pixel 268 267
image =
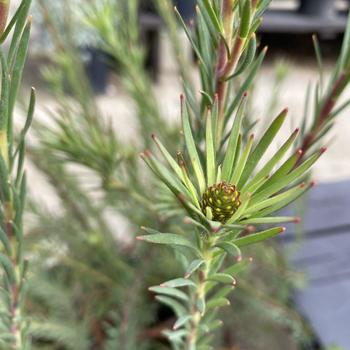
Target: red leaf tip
pixel 139 238
pixel 323 149
pixel 297 220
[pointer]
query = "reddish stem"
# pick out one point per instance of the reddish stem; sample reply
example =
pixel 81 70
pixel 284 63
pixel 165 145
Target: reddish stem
pixel 325 111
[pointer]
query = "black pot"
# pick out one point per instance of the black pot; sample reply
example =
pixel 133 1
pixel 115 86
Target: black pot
pixel 96 64
pixel 321 8
pixel 187 8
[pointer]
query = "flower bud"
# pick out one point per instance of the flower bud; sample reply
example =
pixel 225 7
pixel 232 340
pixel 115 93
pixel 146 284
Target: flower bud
pixel 222 199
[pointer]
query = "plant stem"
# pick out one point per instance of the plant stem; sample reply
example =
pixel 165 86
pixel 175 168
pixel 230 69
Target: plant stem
pixel 326 110
pixel 227 62
pixel 15 287
pixel 199 294
pixel 9 214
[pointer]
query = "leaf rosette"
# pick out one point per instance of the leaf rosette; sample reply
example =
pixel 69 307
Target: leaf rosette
pixel 220 186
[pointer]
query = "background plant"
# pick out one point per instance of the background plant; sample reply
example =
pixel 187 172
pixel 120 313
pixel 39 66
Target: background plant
pixel 96 177
pixel 13 324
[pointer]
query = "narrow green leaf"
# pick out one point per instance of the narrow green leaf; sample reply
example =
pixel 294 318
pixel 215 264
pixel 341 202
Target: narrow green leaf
pixel 173 292
pixel 207 98
pixel 187 181
pixel 258 237
pixel 194 266
pixel 286 180
pixel 5 241
pixel 206 31
pixel 179 282
pixel 191 147
pixel 21 19
pixel 210 151
pixel 227 166
pixel 318 54
pixel 4 176
pixel 282 204
pixel 194 222
pixel 214 19
pixel 267 168
pixel 8 267
pixel 30 114
pixel 222 278
pixel 270 220
pixel 245 85
pixel 238 267
pixel 216 303
pixel 193 44
pixel 181 321
pixel 345 49
pixel 5 84
pixel 262 146
pixel 178 308
pixel 215 325
pixel 201 305
pixel 170 239
pixel 171 161
pixel 247 59
pixel 13 21
pixel 237 172
pixel 291 193
pixel 229 248
pixel 282 171
pixel 245 19
pixel 172 182
pixel 16 72
pixel 175 336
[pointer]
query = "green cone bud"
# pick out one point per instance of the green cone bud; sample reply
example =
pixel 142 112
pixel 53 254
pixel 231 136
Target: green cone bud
pixel 223 200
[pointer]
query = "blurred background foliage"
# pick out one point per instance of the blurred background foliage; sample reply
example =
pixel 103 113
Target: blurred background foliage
pixel 88 278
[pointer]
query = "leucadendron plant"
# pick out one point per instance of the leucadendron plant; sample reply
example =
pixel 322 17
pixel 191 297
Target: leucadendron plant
pixel 226 182
pixel 13 323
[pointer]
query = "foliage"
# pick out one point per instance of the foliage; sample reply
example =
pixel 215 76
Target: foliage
pixel 89 284
pixel 13 325
pixel 219 191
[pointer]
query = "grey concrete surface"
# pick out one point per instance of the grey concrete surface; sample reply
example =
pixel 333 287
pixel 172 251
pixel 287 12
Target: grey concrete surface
pixel 322 253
